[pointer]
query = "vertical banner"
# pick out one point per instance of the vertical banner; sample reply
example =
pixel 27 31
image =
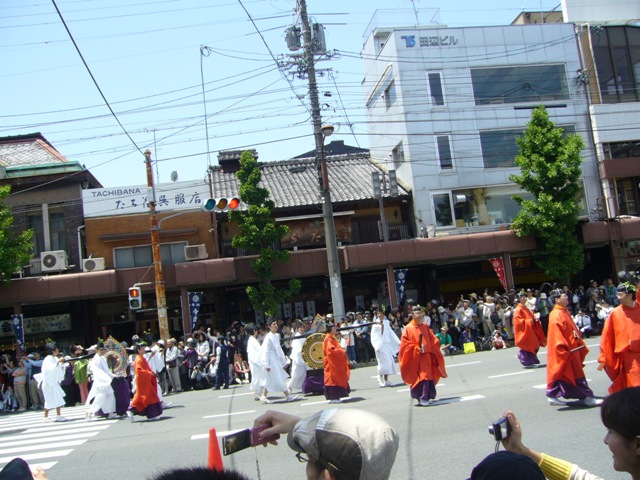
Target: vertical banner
pixel 400 277
pixel 286 307
pixel 18 329
pixel 299 306
pixel 360 302
pixel 498 266
pixel 195 299
pixel 311 308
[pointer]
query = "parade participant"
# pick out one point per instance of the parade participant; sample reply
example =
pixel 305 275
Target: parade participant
pixel 145 401
pixel 253 356
pixel 51 375
pixel 101 392
pixel 420 358
pixel 336 367
pixel 298 367
pixel 273 361
pixel 528 333
pixel 81 374
pixel 565 356
pixel 620 341
pixel 386 345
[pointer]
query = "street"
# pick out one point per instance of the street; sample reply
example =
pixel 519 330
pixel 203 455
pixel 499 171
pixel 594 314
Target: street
pixel 442 441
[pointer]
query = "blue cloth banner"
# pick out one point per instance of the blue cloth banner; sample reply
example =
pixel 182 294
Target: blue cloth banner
pixel 18 329
pixel 401 278
pixel 195 299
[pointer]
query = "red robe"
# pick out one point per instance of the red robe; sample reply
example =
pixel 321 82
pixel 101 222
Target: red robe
pixel 415 366
pixel 563 337
pixel 146 385
pixel 620 347
pixel 527 330
pixel 336 365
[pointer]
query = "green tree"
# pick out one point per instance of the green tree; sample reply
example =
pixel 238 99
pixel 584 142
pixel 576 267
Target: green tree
pixel 550 168
pixel 258 233
pixel 15 250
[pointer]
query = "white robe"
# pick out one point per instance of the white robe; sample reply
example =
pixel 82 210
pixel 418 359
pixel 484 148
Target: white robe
pixel 101 392
pixel 52 375
pixel 272 357
pixel 257 372
pixel 298 367
pixel 386 345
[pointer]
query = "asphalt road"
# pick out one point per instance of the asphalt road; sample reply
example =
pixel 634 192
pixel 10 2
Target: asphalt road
pixel 441 441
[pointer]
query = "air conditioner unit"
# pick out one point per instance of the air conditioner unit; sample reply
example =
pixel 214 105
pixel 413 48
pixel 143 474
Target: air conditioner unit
pixel 195 252
pixel 93 264
pixel 54 261
pixel 35 266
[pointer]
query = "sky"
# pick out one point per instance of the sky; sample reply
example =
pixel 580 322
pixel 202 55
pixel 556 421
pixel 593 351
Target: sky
pixel 189 78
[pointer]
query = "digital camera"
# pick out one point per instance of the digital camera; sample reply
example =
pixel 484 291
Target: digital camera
pixel 500 429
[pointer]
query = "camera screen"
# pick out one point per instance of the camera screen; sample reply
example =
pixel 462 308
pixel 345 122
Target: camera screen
pixel 236 441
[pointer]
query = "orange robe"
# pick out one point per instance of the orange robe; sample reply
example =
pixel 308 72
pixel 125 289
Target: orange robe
pixel 563 337
pixel 336 365
pixel 527 330
pixel 414 366
pixel 620 347
pixel 146 385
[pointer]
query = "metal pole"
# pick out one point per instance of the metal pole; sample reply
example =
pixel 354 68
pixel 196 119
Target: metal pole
pixel 161 301
pixel 333 262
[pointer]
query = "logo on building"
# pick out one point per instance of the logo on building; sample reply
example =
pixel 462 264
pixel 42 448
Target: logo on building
pixel 410 40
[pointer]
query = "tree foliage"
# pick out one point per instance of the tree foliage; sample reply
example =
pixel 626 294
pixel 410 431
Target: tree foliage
pixel 550 168
pixel 259 232
pixel 15 250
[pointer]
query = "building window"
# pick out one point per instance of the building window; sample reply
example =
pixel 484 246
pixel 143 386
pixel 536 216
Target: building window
pixel 622 149
pixel 617 59
pixel 444 152
pixel 142 256
pixel 35 223
pixel 499 147
pixel 390 94
pixel 627 196
pixel 398 155
pixel 442 209
pixel 57 230
pixel 519 84
pixel 435 89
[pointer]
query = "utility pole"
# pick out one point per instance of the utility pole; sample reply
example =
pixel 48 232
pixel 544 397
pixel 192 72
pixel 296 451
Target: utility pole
pixel 335 279
pixel 161 301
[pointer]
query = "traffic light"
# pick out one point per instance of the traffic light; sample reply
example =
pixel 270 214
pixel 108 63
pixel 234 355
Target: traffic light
pixel 220 204
pixel 135 298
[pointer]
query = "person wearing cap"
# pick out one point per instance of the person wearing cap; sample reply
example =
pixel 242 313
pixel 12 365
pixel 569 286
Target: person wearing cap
pixel 620 342
pixel 583 322
pixel 528 333
pixel 33 362
pixel 386 345
pixel 145 401
pixel 273 361
pixel 337 444
pixel 565 357
pixel 361 338
pixel 101 392
pixel 446 343
pixel 336 367
pixel 51 376
pixel 173 365
pixel 420 358
pixel 221 366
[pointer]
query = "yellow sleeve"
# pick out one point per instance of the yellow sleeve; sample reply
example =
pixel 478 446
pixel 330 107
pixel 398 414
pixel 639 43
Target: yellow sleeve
pixel 555 468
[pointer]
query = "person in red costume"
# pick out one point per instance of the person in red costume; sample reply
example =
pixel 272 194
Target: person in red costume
pixel 565 356
pixel 528 333
pixel 421 360
pixel 620 342
pixel 145 401
pixel 336 367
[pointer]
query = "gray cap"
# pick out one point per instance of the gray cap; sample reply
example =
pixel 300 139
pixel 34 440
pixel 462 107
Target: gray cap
pixel 359 444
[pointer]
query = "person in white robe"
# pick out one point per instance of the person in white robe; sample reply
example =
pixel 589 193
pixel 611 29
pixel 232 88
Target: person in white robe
pixel 273 361
pixel 298 367
pixel 101 391
pixel 386 345
pixel 50 377
pixel 253 357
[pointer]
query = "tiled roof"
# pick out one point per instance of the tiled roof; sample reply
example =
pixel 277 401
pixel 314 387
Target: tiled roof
pixel 337 147
pixel 28 150
pixel 294 183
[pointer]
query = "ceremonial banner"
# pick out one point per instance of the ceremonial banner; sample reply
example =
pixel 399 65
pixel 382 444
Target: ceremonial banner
pixel 401 277
pixel 195 299
pixel 18 330
pixel 498 266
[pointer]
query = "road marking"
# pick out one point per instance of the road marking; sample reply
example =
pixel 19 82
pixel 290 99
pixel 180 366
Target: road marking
pixel 236 395
pixel 511 374
pixel 447 401
pixel 229 414
pixel 35 439
pixel 72 443
pixel 37 456
pixel 203 436
pixel 462 364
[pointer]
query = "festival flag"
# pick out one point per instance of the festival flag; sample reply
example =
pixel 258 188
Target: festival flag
pixel 18 329
pixel 401 277
pixel 498 266
pixel 195 299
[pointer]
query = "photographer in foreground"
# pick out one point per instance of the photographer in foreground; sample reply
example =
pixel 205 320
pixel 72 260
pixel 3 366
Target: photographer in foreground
pixel 620 414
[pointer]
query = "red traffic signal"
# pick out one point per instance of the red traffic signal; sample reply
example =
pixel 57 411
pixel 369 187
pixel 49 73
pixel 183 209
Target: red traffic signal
pixel 135 298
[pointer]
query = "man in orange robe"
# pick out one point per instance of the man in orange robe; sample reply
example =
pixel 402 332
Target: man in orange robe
pixel 421 360
pixel 620 341
pixel 565 356
pixel 336 367
pixel 145 401
pixel 528 333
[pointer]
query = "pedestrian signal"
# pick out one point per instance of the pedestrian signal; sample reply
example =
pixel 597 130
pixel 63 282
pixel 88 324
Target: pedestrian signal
pixel 220 204
pixel 135 298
